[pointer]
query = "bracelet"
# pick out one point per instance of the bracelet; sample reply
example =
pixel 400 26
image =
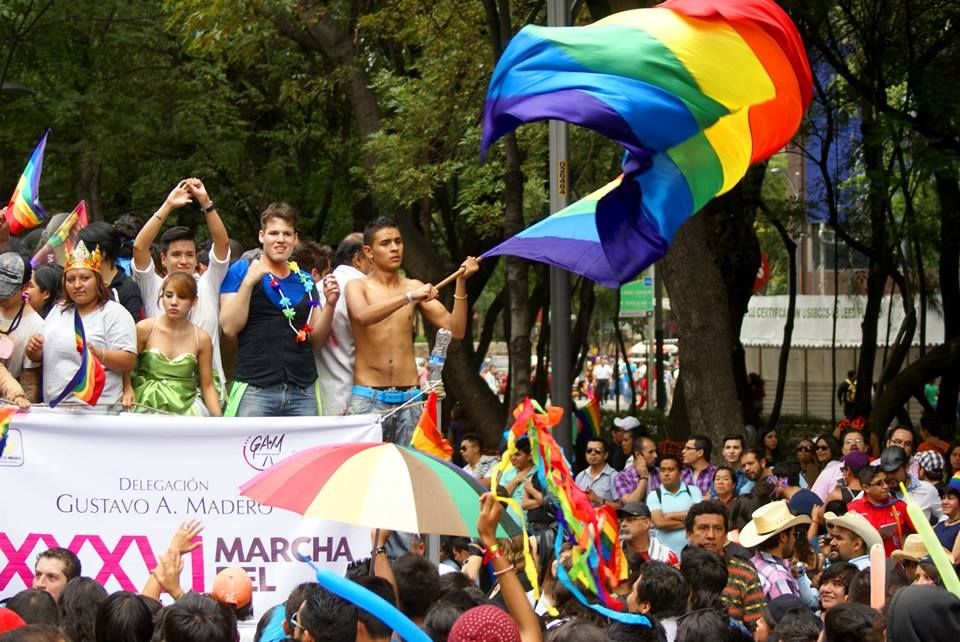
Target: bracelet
pixel 460 298
pixel 380 550
pixel 504 571
pixel 409 296
pixel 492 554
pixel 209 208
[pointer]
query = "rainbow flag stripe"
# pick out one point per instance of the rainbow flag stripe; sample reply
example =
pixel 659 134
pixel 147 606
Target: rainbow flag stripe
pixel 87 384
pixel 426 436
pixel 62 242
pixel 588 416
pixel 6 418
pixel 24 210
pixel 694 91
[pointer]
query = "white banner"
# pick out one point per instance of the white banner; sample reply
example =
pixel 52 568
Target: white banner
pixel 113 489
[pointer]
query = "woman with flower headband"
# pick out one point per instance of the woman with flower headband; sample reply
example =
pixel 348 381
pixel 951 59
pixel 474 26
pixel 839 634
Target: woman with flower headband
pixel 170 383
pixel 109 329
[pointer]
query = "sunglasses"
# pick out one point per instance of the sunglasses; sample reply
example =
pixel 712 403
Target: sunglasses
pixel 464 449
pixel 595 451
pixel 823 447
pixel 806 449
pixel 294 621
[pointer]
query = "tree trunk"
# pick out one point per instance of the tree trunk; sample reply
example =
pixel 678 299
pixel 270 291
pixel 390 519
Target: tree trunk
pixel 948 192
pixel 788 326
pixel 938 362
pixel 517 277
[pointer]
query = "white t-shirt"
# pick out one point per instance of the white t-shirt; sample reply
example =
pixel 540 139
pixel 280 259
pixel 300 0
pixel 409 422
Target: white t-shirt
pixel 30 324
pixel 205 313
pixel 335 357
pixel 109 327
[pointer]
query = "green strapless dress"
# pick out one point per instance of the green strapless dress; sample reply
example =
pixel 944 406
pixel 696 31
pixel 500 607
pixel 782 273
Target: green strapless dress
pixel 170 385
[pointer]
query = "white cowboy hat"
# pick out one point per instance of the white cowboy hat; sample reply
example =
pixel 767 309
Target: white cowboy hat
pixel 858 524
pixel 768 520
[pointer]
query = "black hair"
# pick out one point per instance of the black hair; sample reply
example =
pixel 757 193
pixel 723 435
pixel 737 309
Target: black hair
pixel 71 563
pixel 705 624
pixel 734 437
pixel 732 473
pixel 913 435
pixel 441 617
pixel 675 459
pixel 34 633
pixel 473 438
pixel 859 590
pixel 298 596
pixel 196 618
pixel 775 454
pixel 741 510
pixel 452 582
pixel 381 587
pixel 706 507
pixel 127 226
pixel 418 584
pixel 374 226
pixel 867 474
pixel 930 422
pixel 702 442
pixel 329 618
pixel 35 606
pixel 48 278
pixel 576 631
pixel 799 625
pixel 606 444
pixel 843 572
pixel 664 588
pixel 790 470
pixel 852 622
pixel 759 453
pixel 836 450
pixel 125 616
pixel 176 233
pixel 706 575
pixel 523 445
pixel 102 235
pixel 79 601
pixel 836 506
pixel 347 249
pixel 620 632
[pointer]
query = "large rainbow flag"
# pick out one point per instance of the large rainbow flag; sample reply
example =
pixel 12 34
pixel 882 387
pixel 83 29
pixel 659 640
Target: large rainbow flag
pixel 24 210
pixel 694 91
pixel 87 384
pixel 61 243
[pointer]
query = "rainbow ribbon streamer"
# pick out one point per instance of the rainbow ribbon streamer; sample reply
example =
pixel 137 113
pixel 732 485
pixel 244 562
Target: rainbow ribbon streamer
pixel 694 91
pixel 598 562
pixel 61 243
pixel 24 210
pixel 6 418
pixel 87 384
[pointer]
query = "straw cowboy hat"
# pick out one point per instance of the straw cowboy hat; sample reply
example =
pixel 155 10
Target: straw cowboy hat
pixel 858 524
pixel 913 550
pixel 769 520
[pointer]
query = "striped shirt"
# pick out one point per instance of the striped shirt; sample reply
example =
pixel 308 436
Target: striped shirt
pixel 743 595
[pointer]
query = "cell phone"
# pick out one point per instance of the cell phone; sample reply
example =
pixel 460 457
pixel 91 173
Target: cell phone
pixel 887 530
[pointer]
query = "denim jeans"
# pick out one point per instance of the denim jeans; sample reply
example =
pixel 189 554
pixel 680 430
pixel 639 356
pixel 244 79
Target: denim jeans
pixel 281 400
pixel 397 428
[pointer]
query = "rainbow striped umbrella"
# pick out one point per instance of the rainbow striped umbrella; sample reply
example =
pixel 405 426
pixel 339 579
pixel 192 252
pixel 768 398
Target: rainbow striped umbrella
pixel 378 485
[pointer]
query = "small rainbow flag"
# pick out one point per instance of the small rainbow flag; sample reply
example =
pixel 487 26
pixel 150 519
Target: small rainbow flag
pixel 24 210
pixel 61 243
pixel 6 417
pixel 588 418
pixel 426 436
pixel 87 384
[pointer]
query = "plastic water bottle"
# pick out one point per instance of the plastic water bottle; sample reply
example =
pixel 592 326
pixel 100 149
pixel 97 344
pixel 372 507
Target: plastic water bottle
pixel 439 355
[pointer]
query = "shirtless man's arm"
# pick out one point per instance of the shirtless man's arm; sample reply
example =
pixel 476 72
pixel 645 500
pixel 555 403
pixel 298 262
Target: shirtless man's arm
pixel 366 313
pixel 456 322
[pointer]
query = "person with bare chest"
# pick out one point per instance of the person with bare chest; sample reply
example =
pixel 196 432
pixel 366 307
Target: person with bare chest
pixel 381 307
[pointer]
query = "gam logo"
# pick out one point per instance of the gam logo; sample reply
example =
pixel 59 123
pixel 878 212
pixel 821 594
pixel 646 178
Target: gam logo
pixel 262 451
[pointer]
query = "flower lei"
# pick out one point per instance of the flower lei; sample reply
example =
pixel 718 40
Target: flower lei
pixel 287 305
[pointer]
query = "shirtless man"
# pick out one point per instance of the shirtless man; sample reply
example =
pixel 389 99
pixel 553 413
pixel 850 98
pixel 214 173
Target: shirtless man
pixel 381 307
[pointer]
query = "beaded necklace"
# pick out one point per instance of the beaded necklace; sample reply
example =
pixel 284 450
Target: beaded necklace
pixel 287 305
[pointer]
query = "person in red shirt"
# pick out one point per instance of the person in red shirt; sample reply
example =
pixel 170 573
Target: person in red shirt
pixel 883 510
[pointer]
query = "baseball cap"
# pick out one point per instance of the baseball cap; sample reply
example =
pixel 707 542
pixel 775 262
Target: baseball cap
pixel 232 586
pixel 636 509
pixel 892 458
pixel 9 620
pixel 855 460
pixel 627 423
pixel 931 461
pixel 12 268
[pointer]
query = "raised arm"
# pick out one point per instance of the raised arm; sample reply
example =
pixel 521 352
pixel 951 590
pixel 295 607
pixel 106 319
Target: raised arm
pixel 321 319
pixel 235 306
pixel 455 321
pixel 218 231
pixel 177 198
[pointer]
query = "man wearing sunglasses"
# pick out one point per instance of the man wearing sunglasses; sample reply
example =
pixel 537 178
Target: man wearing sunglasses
pixel 597 479
pixel 477 464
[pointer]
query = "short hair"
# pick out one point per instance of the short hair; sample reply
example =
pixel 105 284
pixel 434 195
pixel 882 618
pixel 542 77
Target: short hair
pixel 473 438
pixel 310 255
pixel 197 618
pixel 706 575
pixel 702 442
pixel 598 439
pixel 125 616
pixel 706 507
pixel 35 633
pixel 799 625
pixel 102 235
pixel 842 572
pixel 384 589
pixel 182 283
pixel 576 630
pixel 441 617
pixel 374 226
pixel 523 445
pixel 868 473
pixel 329 618
pixel 669 457
pixel 297 597
pixel 127 226
pixel 639 441
pixel 790 470
pixel 893 429
pixel 347 249
pixel 736 437
pixel 78 604
pixel 418 584
pixel 852 622
pixel 71 563
pixel 177 233
pixel 664 588
pixel 706 624
pixel 282 211
pixel 756 452
pixel 620 632
pixel 35 606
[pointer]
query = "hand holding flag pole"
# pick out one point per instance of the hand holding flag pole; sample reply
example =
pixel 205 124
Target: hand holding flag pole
pixel 453 277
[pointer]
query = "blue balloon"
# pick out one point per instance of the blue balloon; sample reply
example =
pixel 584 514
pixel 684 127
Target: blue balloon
pixel 371 603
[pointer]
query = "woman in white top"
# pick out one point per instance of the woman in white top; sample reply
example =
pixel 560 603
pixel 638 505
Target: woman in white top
pixel 109 329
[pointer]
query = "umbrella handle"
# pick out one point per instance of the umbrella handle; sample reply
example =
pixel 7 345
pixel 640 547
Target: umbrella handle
pixel 373 554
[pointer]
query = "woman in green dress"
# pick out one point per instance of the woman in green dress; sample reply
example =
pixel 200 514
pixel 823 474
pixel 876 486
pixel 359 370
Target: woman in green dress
pixel 174 370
